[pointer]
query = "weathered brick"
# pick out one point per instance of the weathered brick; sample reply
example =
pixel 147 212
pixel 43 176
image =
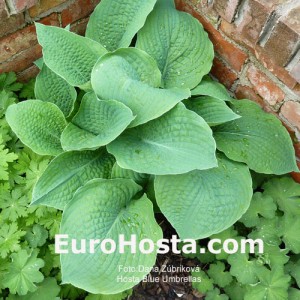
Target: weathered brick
pixel 43 6
pixel 264 86
pixel 23 39
pixel 246 92
pixel 17 6
pixel 295 71
pixel 27 74
pixel 223 73
pixel 285 37
pixel 278 71
pixel 22 60
pixel 290 111
pixel 79 27
pixel 11 24
pixel 227 8
pixel 3 11
pixel 77 10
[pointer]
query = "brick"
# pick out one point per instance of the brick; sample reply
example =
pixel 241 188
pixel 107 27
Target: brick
pixel 79 27
pixel 246 92
pixel 223 73
pixel 43 6
pixel 263 85
pixel 11 24
pixel 290 111
pixel 17 6
pixel 281 44
pixel 295 71
pixel 77 10
pixel 22 60
pixel 278 71
pixel 227 8
pixel 27 74
pixel 253 16
pixel 296 90
pixel 23 39
pixel 3 11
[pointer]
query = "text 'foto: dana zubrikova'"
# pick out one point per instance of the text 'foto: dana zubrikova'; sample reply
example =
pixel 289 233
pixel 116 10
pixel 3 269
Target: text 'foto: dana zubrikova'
pixel 130 108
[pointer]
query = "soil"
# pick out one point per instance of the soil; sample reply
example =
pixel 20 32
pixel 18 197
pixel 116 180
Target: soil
pixel 165 282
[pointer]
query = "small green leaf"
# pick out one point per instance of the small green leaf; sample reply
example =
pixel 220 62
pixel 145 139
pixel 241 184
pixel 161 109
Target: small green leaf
pixel 131 76
pixel 112 32
pixel 67 54
pixel 158 148
pixel 204 284
pixel 219 275
pixel 273 285
pixel 97 123
pixel 211 88
pixel 120 296
pixel 23 272
pixel 52 88
pixel 261 205
pixel 286 192
pixel 38 125
pixel 67 172
pixel 36 236
pixel 212 110
pixel 201 203
pixel 257 139
pixel 170 37
pixel 243 268
pixel 291 229
pixel 104 209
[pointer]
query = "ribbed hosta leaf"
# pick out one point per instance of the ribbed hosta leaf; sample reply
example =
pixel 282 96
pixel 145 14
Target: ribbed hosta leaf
pixel 212 110
pixel 177 142
pixel 178 43
pixel 52 88
pixel 104 209
pixel 67 54
pixel 38 125
pixel 67 172
pixel 114 23
pixel 257 139
pixel 97 123
pixel 209 87
pixel 131 76
pixel 201 203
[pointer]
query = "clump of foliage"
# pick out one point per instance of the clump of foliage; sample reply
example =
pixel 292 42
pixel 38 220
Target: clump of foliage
pixel 274 217
pixel 126 116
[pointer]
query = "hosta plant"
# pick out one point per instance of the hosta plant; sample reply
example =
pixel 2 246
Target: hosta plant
pixel 133 120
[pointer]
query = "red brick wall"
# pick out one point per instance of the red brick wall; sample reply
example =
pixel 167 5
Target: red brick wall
pixel 257 45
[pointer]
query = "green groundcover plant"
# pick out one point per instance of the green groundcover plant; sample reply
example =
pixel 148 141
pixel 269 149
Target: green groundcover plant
pixel 133 121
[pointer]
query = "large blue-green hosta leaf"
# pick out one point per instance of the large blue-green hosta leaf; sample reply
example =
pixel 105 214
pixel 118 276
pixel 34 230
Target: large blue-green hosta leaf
pixel 257 139
pixel 104 209
pixel 38 125
pixel 201 203
pixel 177 142
pixel 131 76
pixel 97 123
pixel 178 43
pixel 67 172
pixel 67 54
pixel 212 110
pixel 52 88
pixel 114 23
